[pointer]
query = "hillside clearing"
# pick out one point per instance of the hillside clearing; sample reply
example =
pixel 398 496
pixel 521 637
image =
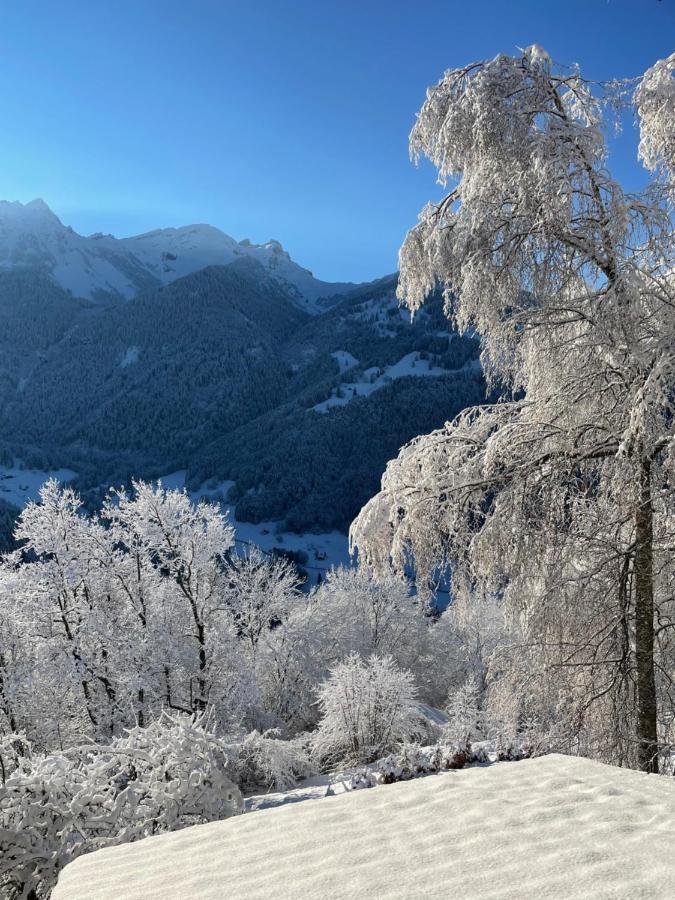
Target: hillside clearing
pixel 555 826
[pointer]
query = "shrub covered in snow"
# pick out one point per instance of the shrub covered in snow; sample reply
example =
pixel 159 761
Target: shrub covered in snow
pixel 527 741
pixel 265 761
pixel 55 807
pixel 367 708
pixel 465 718
pixel 412 761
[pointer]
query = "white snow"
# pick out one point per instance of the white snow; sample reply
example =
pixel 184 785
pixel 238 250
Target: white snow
pixel 169 253
pixel 315 788
pixel 324 550
pixel 373 379
pixel 18 485
pixel 174 481
pixel 557 827
pixel 345 360
pixel 32 236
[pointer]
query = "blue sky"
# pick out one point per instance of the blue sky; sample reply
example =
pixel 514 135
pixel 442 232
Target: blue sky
pixel 269 119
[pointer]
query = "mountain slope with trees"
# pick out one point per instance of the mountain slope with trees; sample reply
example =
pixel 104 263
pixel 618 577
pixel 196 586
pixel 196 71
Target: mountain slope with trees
pixel 218 373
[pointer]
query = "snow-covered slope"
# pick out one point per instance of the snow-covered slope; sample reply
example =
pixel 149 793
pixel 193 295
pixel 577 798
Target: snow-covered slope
pixel 556 827
pixel 32 236
pixel 374 379
pixel 170 253
pixel 18 485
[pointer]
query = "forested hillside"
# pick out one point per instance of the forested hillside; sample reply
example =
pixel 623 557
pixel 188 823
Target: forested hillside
pixel 8 516
pixel 221 374
pixel 162 374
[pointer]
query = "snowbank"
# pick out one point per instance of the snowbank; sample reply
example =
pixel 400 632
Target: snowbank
pixel 557 827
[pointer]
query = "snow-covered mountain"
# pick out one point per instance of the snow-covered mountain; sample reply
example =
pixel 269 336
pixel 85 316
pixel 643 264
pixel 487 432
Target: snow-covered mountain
pixel 101 266
pixel 220 374
pixel 31 236
pixel 201 356
pixel 170 253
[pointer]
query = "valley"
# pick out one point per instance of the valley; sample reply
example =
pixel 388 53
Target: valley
pixel 226 361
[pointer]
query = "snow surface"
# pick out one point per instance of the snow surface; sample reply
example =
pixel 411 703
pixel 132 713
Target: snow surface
pixel 375 378
pixel 556 827
pixel 345 360
pixel 18 486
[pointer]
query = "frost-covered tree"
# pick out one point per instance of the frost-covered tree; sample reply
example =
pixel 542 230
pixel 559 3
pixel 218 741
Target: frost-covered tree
pixel 260 595
pixel 108 619
pixel 476 629
pixel 190 543
pixel 63 616
pixel 367 708
pixel 358 612
pixel 465 717
pixel 271 621
pixel 289 665
pixel 264 761
pixel 557 498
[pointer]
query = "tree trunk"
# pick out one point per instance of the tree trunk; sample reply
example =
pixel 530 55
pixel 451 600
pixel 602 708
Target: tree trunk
pixel 5 703
pixel 200 701
pixel 141 704
pixel 644 626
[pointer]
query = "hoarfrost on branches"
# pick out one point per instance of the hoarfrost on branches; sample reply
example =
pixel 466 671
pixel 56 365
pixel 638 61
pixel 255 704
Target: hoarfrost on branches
pixel 367 707
pixel 55 807
pixel 556 498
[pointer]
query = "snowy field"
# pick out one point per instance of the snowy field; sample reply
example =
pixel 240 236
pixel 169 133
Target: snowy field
pixel 18 486
pixel 552 827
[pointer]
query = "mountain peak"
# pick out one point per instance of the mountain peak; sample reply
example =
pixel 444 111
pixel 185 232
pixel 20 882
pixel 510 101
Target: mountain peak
pixel 30 217
pixel 18 209
pixel 39 204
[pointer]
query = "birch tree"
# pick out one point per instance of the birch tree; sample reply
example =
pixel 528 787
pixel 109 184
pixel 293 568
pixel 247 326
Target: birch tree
pixel 557 497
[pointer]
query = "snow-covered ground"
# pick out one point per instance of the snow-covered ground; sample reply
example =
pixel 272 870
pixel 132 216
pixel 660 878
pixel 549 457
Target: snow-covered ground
pixel 555 827
pixel 18 486
pixel 345 360
pixel 324 551
pixel 375 378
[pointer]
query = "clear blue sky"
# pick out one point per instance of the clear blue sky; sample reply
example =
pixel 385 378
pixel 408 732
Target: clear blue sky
pixel 268 119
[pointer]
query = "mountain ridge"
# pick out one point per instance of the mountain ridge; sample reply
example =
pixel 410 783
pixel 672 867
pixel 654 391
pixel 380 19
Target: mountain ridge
pixel 103 268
